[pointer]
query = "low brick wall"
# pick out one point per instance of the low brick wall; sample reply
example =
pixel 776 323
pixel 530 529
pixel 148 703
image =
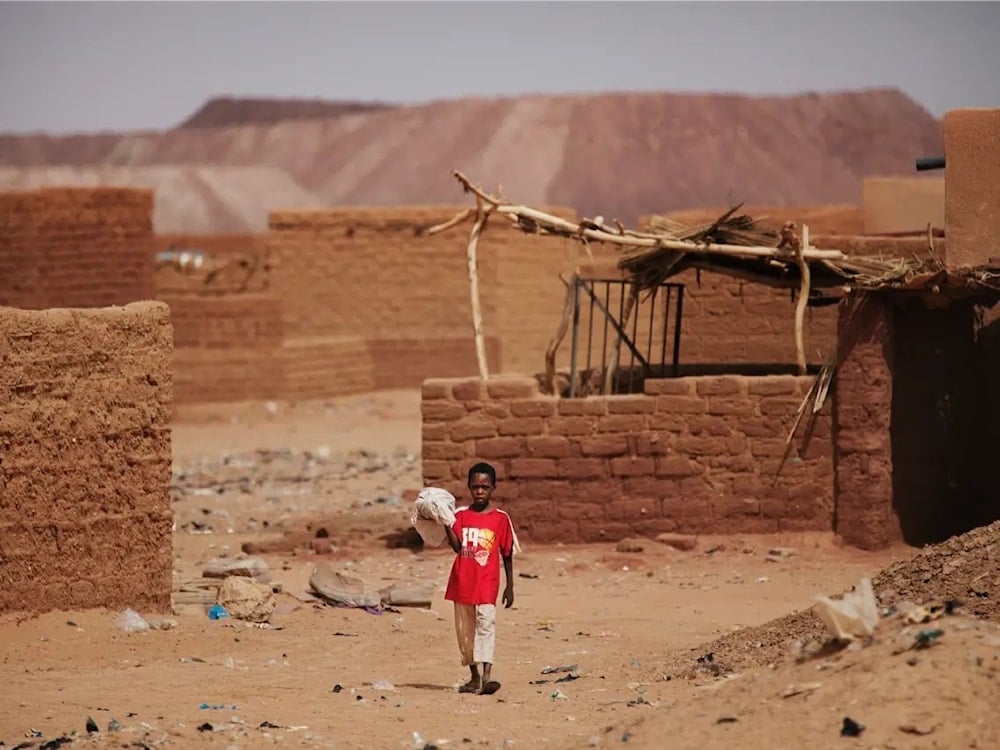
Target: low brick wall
pixel 692 455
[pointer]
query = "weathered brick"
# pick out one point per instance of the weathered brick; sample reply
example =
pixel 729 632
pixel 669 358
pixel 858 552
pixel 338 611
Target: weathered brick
pixel 435 389
pixel 583 468
pixel 497 410
pixel 636 404
pixel 772 385
pixel 533 467
pixel 730 406
pixel 606 445
pixel 604 531
pixel 571 425
pixel 548 446
pixel 471 428
pixel 729 507
pixel 520 426
pixel 441 411
pixel 769 448
pixel 653 444
pixel 592 406
pixel 632 466
pixel 512 387
pixel 669 386
pixel 669 422
pixel 443 451
pixel 686 507
pixel 701 446
pixel 705 424
pixel 434 431
pixel 675 467
pixel 546 490
pixel 761 427
pixel 468 390
pixel 621 423
pixel 680 405
pixel 775 406
pixel 533 407
pixel 434 470
pixel 500 447
pixel 580 510
pixel 633 509
pixel 720 386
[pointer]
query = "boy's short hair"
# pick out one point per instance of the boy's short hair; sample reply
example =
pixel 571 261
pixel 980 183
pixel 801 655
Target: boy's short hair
pixel 483 468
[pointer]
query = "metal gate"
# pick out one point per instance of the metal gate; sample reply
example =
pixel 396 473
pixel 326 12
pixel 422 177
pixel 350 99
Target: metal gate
pixel 647 325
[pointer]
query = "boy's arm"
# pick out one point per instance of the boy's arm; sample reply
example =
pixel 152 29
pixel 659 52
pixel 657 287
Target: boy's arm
pixel 508 569
pixel 456 545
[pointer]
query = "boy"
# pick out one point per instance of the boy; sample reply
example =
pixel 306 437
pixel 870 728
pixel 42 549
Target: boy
pixel 481 537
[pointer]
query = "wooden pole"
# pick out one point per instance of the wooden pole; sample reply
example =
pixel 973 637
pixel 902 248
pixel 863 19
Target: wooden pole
pixel 482 216
pixel 800 303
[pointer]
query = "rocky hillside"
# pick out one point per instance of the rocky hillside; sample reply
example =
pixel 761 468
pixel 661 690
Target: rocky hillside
pixel 620 155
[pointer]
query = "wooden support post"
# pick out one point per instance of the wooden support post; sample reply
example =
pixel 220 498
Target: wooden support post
pixel 803 299
pixel 482 216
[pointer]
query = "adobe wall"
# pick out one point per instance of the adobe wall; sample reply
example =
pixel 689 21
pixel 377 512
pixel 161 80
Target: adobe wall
pixel 691 455
pixel 85 516
pixel 236 263
pixel 75 247
pixel 374 274
pixel 844 219
pixel 902 204
pixel 972 185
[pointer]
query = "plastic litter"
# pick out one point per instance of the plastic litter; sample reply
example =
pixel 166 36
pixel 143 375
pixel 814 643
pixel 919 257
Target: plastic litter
pixel 855 615
pixel 383 685
pixel 851 728
pixel 131 621
pixel 433 508
pixel 217 612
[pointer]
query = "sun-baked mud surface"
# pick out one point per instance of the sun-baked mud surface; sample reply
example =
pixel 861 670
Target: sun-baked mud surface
pixel 336 477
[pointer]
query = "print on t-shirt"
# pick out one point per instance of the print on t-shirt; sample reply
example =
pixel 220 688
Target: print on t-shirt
pixel 477 544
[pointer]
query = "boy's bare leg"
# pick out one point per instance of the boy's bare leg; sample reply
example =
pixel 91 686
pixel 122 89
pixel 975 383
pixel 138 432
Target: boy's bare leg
pixel 487 668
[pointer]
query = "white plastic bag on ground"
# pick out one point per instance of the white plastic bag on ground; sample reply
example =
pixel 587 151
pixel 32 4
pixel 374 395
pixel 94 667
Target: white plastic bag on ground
pixel 434 508
pixel 131 621
pixel 854 616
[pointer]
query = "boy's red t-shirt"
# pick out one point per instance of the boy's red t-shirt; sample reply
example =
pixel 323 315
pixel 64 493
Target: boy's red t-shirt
pixel 475 574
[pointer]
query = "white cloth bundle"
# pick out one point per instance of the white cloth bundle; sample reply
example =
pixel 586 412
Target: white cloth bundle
pixel 433 509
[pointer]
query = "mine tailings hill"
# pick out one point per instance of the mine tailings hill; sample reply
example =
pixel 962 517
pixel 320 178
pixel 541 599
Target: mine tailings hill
pixel 619 155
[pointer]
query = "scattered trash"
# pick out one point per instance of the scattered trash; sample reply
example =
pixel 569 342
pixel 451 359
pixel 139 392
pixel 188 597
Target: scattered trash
pixel 383 685
pixel 434 507
pixel 640 700
pixel 530 576
pixel 564 668
pixel 726 720
pixel 114 726
pixel 217 612
pixel 570 677
pixel 268 725
pixel 72 624
pixel 206 727
pixel 682 542
pixel 92 726
pixel 763 579
pixel 337 688
pixel 52 744
pixel 131 621
pixel 248 567
pixel 781 552
pixel 341 589
pixel 918 729
pixel 558 695
pixel 161 623
pixel 805 687
pixel 216 707
pixel 851 728
pixel 854 615
pixel 246 600
pixel 926 638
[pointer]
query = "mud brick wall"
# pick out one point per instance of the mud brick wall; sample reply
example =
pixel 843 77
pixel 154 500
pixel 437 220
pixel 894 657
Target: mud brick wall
pixel 226 348
pixel 318 367
pixel 85 518
pixel 374 273
pixel 972 185
pixel 902 204
pixel 75 247
pixel 692 455
pixel 862 419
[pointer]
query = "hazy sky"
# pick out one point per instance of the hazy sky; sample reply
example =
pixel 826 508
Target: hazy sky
pixel 97 66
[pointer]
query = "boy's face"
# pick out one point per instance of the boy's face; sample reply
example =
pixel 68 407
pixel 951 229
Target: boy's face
pixel 481 489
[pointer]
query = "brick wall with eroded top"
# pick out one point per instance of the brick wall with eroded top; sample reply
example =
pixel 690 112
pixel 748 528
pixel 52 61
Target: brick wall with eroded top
pixel 692 455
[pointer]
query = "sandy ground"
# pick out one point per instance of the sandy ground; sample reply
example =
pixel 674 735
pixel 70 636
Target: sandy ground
pixel 626 621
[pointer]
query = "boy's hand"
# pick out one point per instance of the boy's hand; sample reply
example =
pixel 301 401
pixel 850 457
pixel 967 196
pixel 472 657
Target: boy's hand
pixel 508 597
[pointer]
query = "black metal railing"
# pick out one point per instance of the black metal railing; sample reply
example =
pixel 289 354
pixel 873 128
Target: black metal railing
pixel 611 318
